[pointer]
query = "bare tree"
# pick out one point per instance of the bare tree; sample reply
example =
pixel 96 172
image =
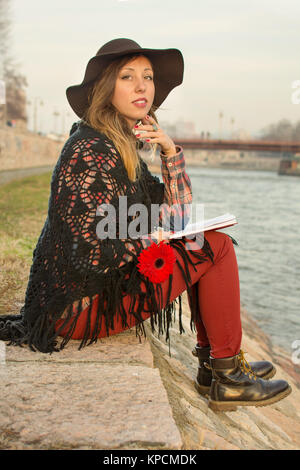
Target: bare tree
pixel 282 130
pixel 296 134
pixel 4 33
pixel 15 96
pixel 9 69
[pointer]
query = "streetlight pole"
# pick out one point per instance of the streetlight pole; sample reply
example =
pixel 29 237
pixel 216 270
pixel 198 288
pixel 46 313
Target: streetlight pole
pixel 65 114
pixel 2 102
pixel 220 123
pixel 35 105
pixel 28 104
pixel 63 122
pixel 232 123
pixel 55 114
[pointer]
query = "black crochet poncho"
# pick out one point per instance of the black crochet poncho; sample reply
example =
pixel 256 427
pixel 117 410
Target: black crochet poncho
pixel 70 262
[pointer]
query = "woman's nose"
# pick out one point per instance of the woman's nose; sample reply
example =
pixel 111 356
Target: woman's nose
pixel 140 85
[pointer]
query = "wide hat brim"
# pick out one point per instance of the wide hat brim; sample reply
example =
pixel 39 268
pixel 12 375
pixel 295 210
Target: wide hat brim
pixel 168 73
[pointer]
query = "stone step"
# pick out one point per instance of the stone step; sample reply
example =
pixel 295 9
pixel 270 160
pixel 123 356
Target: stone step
pixel 106 396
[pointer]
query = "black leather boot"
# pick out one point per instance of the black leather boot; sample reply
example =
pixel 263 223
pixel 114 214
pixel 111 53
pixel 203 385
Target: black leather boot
pixel 263 369
pixel 204 376
pixel 233 385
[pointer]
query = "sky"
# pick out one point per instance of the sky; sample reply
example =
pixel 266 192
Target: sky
pixel 240 58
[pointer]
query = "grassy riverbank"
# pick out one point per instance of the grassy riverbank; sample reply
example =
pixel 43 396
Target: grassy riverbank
pixel 23 210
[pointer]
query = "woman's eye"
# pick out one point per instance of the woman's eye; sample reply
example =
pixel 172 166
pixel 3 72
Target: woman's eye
pixel 126 76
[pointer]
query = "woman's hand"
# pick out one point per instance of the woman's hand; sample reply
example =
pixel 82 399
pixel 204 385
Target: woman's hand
pixel 160 234
pixel 159 136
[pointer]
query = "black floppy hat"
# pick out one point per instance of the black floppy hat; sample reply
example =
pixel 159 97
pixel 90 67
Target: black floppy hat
pixel 168 67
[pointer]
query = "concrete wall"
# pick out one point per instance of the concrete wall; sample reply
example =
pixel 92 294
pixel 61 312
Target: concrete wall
pixel 232 159
pixel 224 159
pixel 23 149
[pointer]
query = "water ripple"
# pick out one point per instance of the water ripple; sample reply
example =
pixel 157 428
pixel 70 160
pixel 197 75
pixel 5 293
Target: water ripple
pixel 267 207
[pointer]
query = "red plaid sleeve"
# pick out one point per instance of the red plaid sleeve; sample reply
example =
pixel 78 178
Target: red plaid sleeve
pixel 178 186
pixel 177 193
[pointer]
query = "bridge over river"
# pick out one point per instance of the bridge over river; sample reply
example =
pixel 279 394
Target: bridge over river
pixel 254 145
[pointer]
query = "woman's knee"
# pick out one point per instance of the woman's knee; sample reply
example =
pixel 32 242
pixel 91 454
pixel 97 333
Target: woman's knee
pixel 220 242
pixel 217 237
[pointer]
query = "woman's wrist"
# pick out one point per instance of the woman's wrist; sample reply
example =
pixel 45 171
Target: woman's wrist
pixel 170 152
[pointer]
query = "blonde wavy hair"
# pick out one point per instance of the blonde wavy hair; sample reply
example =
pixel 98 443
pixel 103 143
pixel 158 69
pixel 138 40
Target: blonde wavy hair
pixel 104 117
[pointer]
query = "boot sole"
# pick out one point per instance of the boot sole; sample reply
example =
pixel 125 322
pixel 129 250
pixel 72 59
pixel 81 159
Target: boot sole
pixel 270 374
pixel 232 406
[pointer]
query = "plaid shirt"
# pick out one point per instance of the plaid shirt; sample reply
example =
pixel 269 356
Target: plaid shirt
pixel 178 187
pixel 178 192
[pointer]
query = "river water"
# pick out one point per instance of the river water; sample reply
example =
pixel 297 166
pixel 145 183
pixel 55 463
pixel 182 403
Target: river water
pixel 267 208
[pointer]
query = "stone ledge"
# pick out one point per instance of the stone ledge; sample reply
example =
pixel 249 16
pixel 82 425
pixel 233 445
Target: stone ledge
pixel 122 348
pixel 106 396
pixel 58 405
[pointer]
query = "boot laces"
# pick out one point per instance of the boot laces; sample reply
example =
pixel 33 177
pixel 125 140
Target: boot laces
pixel 245 366
pixel 207 365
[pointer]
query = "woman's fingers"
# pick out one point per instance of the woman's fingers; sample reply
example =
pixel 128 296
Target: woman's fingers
pixel 149 121
pixel 144 127
pixel 159 136
pixel 160 235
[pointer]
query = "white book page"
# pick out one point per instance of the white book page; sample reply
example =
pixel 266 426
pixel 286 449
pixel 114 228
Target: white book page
pixel 216 222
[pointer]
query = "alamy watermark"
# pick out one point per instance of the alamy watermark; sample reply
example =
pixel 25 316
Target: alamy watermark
pixel 295 98
pixel 296 353
pixel 114 223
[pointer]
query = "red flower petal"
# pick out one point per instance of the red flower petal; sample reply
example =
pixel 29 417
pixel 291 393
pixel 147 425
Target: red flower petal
pixel 157 261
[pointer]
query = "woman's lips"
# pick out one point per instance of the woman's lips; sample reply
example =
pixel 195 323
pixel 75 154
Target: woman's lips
pixel 140 104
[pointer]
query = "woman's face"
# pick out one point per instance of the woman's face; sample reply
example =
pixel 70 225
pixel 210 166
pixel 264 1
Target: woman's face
pixel 134 82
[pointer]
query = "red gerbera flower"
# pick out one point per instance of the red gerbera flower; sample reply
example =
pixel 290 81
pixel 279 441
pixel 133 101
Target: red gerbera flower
pixel 157 261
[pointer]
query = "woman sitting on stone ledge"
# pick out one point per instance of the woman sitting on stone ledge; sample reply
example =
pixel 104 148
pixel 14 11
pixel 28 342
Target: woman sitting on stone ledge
pixel 84 286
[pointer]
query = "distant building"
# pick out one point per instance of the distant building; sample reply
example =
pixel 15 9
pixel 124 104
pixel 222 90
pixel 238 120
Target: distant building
pixel 241 134
pixel 181 129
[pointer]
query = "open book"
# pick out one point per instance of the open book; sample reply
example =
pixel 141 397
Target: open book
pixel 225 220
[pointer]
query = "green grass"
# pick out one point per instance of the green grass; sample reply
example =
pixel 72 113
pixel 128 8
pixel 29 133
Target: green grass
pixel 23 211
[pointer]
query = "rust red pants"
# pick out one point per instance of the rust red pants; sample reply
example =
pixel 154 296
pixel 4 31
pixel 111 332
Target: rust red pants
pixel 217 290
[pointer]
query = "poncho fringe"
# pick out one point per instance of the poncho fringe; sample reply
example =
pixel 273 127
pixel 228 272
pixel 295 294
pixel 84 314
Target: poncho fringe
pixel 58 277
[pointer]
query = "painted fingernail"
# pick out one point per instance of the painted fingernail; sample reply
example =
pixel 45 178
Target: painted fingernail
pixel 147 117
pixel 137 135
pixel 136 126
pixel 147 140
